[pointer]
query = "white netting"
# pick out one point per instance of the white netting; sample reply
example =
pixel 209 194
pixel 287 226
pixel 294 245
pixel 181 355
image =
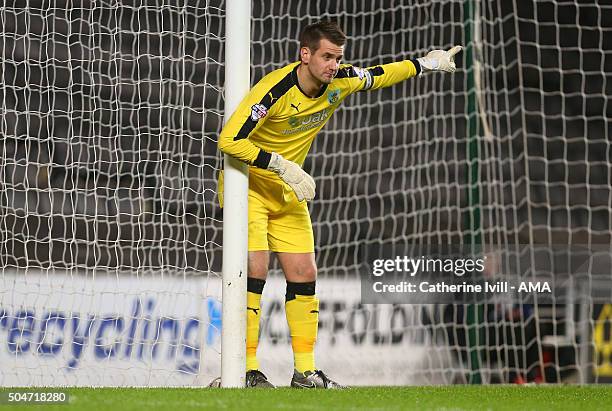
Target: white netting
pixel 110 112
pixel 393 168
pixel 110 115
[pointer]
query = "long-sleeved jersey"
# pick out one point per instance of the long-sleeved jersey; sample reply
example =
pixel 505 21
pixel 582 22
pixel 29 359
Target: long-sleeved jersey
pixel 276 115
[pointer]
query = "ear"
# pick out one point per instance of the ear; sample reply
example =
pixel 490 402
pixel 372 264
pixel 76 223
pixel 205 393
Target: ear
pixel 305 55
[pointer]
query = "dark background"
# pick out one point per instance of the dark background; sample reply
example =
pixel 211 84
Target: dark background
pixel 110 116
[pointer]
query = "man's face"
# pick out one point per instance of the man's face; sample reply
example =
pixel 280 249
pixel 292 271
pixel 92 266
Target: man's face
pixel 323 63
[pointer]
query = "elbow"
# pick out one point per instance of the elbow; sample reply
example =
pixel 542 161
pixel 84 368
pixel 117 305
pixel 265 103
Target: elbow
pixel 224 145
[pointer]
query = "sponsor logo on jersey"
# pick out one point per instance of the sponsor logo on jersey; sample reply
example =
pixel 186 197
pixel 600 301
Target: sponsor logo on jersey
pixel 258 111
pixel 333 96
pixel 294 121
pixel 299 124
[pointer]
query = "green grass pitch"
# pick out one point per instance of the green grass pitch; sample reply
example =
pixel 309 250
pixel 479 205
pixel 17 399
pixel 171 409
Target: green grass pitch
pixel 586 398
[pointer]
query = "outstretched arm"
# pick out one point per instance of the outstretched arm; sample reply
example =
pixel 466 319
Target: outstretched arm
pixel 386 75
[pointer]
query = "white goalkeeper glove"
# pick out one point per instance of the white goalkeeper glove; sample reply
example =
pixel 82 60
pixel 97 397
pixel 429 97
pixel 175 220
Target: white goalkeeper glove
pixel 292 174
pixel 440 60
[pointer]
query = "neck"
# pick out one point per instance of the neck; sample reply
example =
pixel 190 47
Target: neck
pixel 309 85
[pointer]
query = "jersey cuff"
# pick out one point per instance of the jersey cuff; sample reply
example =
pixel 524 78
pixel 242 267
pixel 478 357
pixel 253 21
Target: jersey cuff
pixel 417 65
pixel 263 159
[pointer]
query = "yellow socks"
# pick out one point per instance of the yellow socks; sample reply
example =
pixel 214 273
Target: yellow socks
pixel 302 310
pixel 254 291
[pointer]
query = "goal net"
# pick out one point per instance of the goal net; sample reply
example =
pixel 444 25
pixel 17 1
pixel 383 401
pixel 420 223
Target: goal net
pixel 110 232
pixel 512 151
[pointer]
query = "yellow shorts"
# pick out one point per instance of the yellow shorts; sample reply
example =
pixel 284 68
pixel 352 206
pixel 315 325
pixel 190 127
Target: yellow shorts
pixel 277 220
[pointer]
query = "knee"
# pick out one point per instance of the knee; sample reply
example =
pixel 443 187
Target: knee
pixel 306 273
pixel 258 265
pixel 259 271
pixel 298 268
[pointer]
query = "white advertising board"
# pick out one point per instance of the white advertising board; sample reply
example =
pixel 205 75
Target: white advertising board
pixel 66 329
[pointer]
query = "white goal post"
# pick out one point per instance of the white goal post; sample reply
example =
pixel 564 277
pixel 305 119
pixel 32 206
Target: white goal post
pixel 235 224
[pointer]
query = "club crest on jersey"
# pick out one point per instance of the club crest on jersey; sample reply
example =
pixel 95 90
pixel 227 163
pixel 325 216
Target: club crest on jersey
pixel 258 111
pixel 333 96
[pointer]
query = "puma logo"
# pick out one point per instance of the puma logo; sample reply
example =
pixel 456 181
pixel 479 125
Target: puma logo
pixel 272 98
pixel 255 310
pixel 314 312
pixel 296 107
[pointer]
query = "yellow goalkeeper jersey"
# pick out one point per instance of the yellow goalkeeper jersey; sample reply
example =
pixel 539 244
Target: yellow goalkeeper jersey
pixel 276 115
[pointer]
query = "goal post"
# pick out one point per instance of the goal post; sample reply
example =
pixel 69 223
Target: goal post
pixel 235 210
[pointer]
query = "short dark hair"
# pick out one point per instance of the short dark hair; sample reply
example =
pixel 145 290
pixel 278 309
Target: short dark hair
pixel 325 29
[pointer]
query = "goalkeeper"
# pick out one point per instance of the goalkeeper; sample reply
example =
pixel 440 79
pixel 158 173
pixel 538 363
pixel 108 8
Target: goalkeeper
pixel 272 130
